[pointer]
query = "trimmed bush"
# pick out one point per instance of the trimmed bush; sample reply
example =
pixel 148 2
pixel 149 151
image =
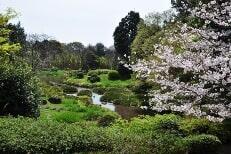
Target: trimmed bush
pixel 113 75
pixel 69 89
pixel 79 75
pixel 203 144
pixel 85 99
pixel 19 91
pixel 99 90
pixel 94 78
pixel 44 102
pixel 125 73
pixel 85 93
pixel 23 136
pixel 106 120
pixel 120 96
pixel 55 100
pixel 98 72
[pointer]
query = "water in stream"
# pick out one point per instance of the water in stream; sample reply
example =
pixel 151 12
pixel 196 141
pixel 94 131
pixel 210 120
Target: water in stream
pixel 124 111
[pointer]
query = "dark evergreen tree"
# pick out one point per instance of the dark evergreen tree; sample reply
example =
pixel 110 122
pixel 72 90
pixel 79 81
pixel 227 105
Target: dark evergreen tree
pixel 124 35
pixel 100 49
pixel 17 35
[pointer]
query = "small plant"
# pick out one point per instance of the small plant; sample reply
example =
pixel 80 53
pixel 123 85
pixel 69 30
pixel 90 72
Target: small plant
pixel 99 90
pixel 69 89
pixel 79 75
pixel 55 100
pixel 94 78
pixel 85 93
pixel 113 75
pixel 106 120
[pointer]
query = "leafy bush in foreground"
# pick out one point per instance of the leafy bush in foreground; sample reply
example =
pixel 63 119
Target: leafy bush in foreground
pixel 19 92
pixel 149 135
pixel 46 137
pixel 203 144
pixel 113 75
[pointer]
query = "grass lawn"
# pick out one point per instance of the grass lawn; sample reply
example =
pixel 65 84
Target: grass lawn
pixel 104 82
pixel 71 110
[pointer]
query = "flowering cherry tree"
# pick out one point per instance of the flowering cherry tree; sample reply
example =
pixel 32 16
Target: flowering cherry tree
pixel 196 81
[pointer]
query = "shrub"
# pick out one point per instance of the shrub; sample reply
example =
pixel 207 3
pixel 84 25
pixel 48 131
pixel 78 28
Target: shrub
pixel 69 89
pixel 50 91
pixel 94 78
pixel 167 143
pixel 55 100
pixel 125 73
pixel 44 102
pixel 85 93
pixel 202 144
pixel 85 99
pixel 98 72
pixel 19 91
pixel 68 117
pixel 99 90
pixel 113 75
pixel 21 136
pixel 142 90
pixel 120 96
pixel 167 123
pixel 106 120
pixel 79 75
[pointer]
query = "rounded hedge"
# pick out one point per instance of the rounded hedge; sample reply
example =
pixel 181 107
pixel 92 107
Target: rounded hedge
pixel 203 144
pixel 79 75
pixel 85 93
pixel 94 78
pixel 113 75
pixel 55 100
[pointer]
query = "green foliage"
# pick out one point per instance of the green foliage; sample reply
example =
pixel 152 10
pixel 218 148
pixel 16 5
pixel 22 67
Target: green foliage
pixel 55 100
pixel 99 90
pixel 113 75
pixel 69 89
pixel 85 93
pixel 120 96
pixel 98 72
pixel 74 110
pixel 124 72
pixel 85 99
pixel 79 75
pixel 50 91
pixel 57 76
pixel 29 136
pixel 144 32
pixel 140 135
pixel 142 90
pixel 19 91
pixel 94 78
pixel 6 47
pixel 203 144
pixel 106 120
pixel 192 126
pixel 125 34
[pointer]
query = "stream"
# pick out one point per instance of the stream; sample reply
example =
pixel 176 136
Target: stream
pixel 124 111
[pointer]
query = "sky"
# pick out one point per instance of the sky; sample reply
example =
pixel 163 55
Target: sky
pixel 86 21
